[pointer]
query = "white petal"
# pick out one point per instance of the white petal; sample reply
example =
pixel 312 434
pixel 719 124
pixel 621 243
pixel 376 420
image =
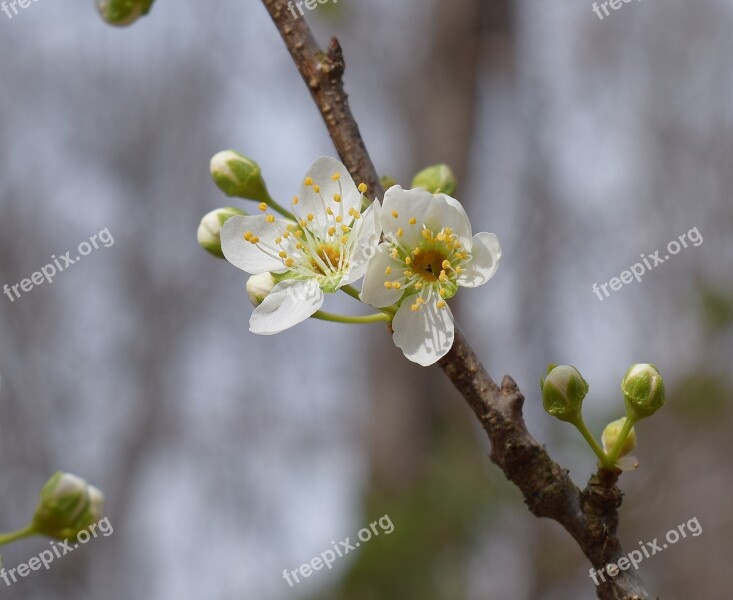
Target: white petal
pixel 432 211
pixel 290 302
pixel 627 463
pixel 245 255
pixel 316 203
pixel 424 335
pixel 485 257
pixel 373 291
pixel 366 232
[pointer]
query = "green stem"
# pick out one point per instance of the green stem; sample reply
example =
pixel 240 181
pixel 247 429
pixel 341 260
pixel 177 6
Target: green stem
pixel 588 437
pixel 6 538
pixel 279 209
pixel 375 318
pixel 354 293
pixel 623 436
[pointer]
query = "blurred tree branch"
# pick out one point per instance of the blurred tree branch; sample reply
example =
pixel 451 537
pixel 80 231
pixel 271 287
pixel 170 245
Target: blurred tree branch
pixel 589 515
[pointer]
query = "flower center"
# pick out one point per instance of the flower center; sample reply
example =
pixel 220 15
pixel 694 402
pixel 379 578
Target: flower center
pixel 429 264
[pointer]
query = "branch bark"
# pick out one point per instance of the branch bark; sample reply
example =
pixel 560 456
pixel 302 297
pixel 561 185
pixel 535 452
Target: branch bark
pixel 590 515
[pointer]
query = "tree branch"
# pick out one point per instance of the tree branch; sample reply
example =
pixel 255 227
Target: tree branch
pixel 589 515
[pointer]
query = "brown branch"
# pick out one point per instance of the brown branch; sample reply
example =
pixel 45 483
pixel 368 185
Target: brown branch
pixel 589 515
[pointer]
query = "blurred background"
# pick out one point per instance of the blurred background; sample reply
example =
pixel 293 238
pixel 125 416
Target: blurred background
pixel 226 457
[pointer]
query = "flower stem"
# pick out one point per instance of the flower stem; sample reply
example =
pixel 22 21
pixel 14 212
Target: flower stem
pixel 354 293
pixel 375 318
pixel 623 436
pixel 279 209
pixel 588 437
pixel 6 538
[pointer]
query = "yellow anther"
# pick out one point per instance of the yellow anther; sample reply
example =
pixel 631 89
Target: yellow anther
pixel 395 214
pixel 420 300
pixel 262 206
pixel 278 239
pixel 443 276
pixel 388 285
pixel 331 230
pixel 418 286
pixel 317 189
pixel 247 235
pixel 329 211
pixel 448 231
pixel 408 260
pixel 441 304
pixel 356 216
pixel 399 232
pixel 270 218
pixel 336 176
pixel 408 273
pixel 344 239
pixel 363 187
pixel 298 234
pixel 446 264
pixel 395 253
pixel 415 307
pixel 345 228
pixel 339 219
pixel 396 285
pixel 295 200
pixel 289 262
pixel 254 239
pixel 442 292
pixel 311 217
pixel 412 220
pixel 298 246
pixel 458 270
pixel 388 270
pixel 426 234
pixel 286 235
pixel 303 223
pixel 337 197
pixel 308 181
pixel 440 237
pixel 282 254
pixel 416 251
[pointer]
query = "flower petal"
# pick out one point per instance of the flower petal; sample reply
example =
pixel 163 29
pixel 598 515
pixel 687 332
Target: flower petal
pixel 423 335
pixel 373 290
pixel 435 212
pixel 245 255
pixel 312 202
pixel 365 233
pixel 485 257
pixel 289 303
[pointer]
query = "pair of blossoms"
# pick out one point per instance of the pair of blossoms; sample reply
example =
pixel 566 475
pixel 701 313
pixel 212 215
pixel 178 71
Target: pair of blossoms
pixel 414 251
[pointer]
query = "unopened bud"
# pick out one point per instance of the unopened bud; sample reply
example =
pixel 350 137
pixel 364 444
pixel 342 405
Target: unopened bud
pixel 643 390
pixel 68 505
pixel 611 436
pixel 237 175
pixel 123 12
pixel 436 179
pixel 259 286
pixel 209 231
pixel 563 391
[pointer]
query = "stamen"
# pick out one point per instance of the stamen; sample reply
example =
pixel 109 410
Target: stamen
pixel 270 218
pixel 262 206
pixel 317 189
pixel 308 181
pixel 395 214
pixel 337 197
pixel 412 220
pixel 441 304
pixel 336 176
pixel 295 200
pixel 400 232
pixel 247 235
pixel 388 270
pixel 363 188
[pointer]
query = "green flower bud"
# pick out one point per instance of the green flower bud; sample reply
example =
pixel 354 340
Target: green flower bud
pixel 563 390
pixel 436 179
pixel 68 505
pixel 611 435
pixel 237 175
pixel 259 286
pixel 209 231
pixel 123 12
pixel 643 390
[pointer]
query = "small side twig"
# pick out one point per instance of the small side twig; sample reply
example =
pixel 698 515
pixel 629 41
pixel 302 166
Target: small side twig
pixel 589 515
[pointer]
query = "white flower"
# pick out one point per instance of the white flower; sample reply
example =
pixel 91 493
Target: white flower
pixel 328 247
pixel 428 252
